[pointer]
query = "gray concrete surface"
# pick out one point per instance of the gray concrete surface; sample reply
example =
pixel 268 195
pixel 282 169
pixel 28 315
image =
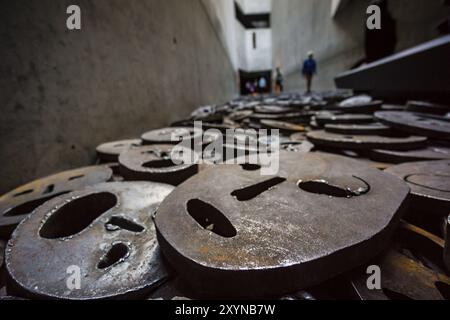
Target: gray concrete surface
pixel 302 25
pixel 134 66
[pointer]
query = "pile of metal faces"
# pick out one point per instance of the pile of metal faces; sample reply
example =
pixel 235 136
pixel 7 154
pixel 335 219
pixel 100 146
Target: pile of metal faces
pixel 358 208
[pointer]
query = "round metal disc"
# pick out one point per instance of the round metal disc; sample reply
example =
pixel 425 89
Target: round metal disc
pixel 426 154
pixel 103 234
pixel 429 181
pixel 173 135
pixel 239 115
pixel 109 152
pixel 343 119
pixel 360 104
pixel 281 125
pixel 19 203
pixel 369 129
pixel 274 109
pixel 154 163
pixel 427 107
pixel 364 142
pixel 231 231
pixel 416 123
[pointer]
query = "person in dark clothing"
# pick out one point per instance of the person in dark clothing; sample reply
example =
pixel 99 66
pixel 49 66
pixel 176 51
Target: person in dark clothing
pixel 278 81
pixel 309 70
pixel 380 43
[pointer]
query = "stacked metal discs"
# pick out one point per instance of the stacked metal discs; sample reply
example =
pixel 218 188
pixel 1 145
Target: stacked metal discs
pixel 357 183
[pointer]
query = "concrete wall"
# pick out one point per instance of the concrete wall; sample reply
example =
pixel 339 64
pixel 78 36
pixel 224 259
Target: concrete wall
pixel 134 66
pixel 302 25
pixel 259 58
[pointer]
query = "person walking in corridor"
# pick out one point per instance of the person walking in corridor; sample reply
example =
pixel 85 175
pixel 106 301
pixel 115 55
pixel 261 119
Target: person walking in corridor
pixel 279 81
pixel 309 70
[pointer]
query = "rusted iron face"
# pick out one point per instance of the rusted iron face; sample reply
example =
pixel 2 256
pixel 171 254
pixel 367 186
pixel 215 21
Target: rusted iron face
pixel 274 109
pixel 359 104
pixel 155 163
pixel 262 236
pixel 324 119
pixel 429 153
pixel 18 203
pixel 364 142
pixel 429 182
pixel 172 135
pixel 427 107
pixel 103 233
pixel 110 151
pixel 417 123
pixel 364 129
pixel 411 269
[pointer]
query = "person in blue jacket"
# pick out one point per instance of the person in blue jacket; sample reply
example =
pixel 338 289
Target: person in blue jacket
pixel 309 70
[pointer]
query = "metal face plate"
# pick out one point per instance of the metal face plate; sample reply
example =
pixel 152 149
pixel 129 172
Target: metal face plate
pixel 154 163
pixel 265 236
pixel 429 179
pixel 426 154
pixel 109 152
pixel 343 119
pixel 327 139
pixel 105 232
pixel 173 135
pixel 274 109
pixel 417 123
pixel 281 125
pixel 363 129
pixel 363 104
pixel 18 203
pixel 426 107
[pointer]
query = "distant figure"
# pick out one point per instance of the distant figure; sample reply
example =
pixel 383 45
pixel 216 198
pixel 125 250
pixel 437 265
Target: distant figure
pixel 309 70
pixel 380 43
pixel 279 81
pixel 262 84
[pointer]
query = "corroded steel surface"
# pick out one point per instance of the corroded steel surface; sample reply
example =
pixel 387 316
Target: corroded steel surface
pixel 232 231
pixel 105 231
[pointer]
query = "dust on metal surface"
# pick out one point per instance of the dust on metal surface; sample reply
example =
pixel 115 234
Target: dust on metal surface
pixel 209 232
pixel 106 231
pixel 362 129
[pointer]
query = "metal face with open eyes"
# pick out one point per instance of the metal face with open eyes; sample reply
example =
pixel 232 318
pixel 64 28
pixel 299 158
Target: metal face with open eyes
pixel 429 182
pixel 155 163
pixel 20 202
pixel 105 233
pixel 230 231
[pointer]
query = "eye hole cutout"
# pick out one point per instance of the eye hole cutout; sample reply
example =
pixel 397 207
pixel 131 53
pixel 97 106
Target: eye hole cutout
pixel 116 254
pixel 393 295
pixel 77 215
pixel 251 192
pixel 250 167
pixel 210 218
pixel 116 223
pixel 23 193
pixel 30 206
pixel 50 188
pixel 76 177
pixel 159 164
pixel 322 187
